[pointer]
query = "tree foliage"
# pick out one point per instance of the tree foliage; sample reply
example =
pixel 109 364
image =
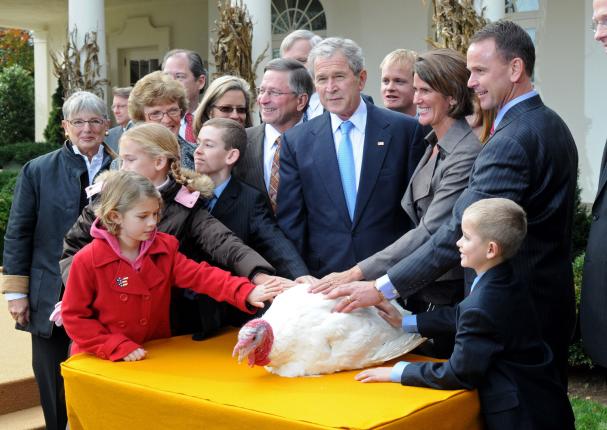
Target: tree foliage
pixel 53 133
pixel 16 105
pixel 16 47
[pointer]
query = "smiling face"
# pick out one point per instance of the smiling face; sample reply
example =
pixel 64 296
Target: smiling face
pixel 337 86
pixel 89 136
pixel 139 222
pixel 120 110
pixel 169 115
pixel 491 76
pixel 397 88
pixel 432 107
pixel 283 109
pixel 473 248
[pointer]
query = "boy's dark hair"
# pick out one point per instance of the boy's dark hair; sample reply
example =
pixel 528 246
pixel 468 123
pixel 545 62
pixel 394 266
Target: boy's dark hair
pixel 501 221
pixel 511 41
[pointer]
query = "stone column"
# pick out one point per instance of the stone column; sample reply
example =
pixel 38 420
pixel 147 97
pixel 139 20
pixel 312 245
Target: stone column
pixel 41 81
pixel 494 9
pixel 85 17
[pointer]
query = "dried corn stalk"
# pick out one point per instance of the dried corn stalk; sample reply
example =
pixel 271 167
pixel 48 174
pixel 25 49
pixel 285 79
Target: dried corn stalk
pixel 233 47
pixel 455 22
pixel 73 74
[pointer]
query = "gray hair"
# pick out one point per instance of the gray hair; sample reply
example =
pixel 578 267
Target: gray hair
pixel 329 46
pixel 123 92
pixel 300 80
pixel 83 101
pixel 296 35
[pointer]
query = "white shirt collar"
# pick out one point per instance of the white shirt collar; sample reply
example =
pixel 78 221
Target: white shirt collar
pixel 358 118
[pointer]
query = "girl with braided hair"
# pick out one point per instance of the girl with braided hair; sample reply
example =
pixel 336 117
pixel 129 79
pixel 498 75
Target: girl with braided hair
pixel 153 151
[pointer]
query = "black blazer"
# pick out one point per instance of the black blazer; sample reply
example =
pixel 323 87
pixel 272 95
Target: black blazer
pixel 498 349
pixel 531 159
pixel 311 208
pixel 593 318
pixel 250 166
pixel 243 209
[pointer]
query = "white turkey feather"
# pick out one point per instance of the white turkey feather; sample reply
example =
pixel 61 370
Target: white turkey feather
pixel 309 339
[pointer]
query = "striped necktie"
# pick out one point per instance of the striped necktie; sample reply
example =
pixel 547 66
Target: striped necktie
pixel 274 175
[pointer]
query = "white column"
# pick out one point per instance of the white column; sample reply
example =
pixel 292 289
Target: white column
pixel 261 16
pixel 87 16
pixel 494 9
pixel 41 79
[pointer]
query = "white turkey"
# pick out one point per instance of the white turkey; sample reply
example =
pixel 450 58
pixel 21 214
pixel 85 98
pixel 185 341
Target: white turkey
pixel 299 335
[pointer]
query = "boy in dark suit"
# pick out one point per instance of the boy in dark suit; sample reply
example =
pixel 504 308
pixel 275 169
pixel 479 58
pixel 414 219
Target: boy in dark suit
pixel 240 207
pixel 498 347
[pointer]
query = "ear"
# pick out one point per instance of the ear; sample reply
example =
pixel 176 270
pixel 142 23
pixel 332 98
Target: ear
pixel 517 69
pixel 302 100
pixel 160 163
pixel 65 125
pixel 115 217
pixel 232 157
pixel 362 79
pixel 494 250
pixel 201 81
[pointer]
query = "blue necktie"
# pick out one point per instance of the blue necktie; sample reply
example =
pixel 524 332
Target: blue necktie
pixel 345 159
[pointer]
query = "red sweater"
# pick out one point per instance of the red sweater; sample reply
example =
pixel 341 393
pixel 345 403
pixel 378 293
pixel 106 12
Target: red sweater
pixel 110 309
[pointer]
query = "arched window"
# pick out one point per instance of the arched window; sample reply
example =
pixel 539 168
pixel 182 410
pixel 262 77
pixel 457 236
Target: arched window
pixel 290 15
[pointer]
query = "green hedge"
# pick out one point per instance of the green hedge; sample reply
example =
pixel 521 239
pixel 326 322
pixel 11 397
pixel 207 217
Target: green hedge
pixel 577 356
pixel 7 187
pixel 20 153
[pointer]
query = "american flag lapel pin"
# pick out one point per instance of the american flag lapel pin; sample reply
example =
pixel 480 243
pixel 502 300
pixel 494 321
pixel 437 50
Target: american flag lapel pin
pixel 380 143
pixel 122 281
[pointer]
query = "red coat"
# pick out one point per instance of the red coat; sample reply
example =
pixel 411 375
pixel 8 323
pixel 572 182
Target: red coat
pixel 109 309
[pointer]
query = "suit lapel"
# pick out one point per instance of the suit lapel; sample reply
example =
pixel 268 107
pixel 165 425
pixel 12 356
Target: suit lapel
pixel 373 158
pixel 407 201
pixel 603 174
pixel 258 156
pixel 325 159
pixel 227 200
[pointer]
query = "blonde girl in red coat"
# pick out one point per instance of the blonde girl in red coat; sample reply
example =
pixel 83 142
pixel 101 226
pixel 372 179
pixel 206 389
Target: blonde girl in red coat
pixel 118 290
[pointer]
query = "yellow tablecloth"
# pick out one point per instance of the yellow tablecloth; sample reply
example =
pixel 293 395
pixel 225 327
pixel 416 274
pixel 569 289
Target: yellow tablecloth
pixel 184 384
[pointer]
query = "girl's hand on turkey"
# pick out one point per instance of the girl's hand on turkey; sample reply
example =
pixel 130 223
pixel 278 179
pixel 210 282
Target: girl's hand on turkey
pixel 261 293
pixel 138 354
pixel 379 374
pixel 389 313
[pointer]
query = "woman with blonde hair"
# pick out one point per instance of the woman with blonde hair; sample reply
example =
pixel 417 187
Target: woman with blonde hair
pixel 152 151
pixel 227 97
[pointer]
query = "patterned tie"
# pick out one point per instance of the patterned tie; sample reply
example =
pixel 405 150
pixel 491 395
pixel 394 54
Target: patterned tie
pixel 345 160
pixel 189 132
pixel 274 175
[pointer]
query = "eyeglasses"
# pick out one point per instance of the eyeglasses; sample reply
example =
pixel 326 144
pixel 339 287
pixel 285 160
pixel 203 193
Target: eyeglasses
pixel 596 24
pixel 272 93
pixel 157 115
pixel 229 109
pixel 93 123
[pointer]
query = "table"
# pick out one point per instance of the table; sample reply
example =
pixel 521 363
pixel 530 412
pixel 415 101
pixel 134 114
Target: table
pixel 184 384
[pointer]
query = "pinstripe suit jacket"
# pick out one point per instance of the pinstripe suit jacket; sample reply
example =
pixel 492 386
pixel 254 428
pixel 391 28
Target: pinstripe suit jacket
pixel 243 210
pixel 593 319
pixel 531 159
pixel 250 167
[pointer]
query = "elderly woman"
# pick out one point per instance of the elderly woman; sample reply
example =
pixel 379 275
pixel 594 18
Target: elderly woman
pixel 159 98
pixel 227 97
pixel 51 192
pixel 443 100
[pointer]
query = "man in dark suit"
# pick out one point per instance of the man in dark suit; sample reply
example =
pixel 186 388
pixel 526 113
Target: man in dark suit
pixel 593 318
pixel 283 96
pixel 121 115
pixel 241 207
pixel 343 173
pixel 531 158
